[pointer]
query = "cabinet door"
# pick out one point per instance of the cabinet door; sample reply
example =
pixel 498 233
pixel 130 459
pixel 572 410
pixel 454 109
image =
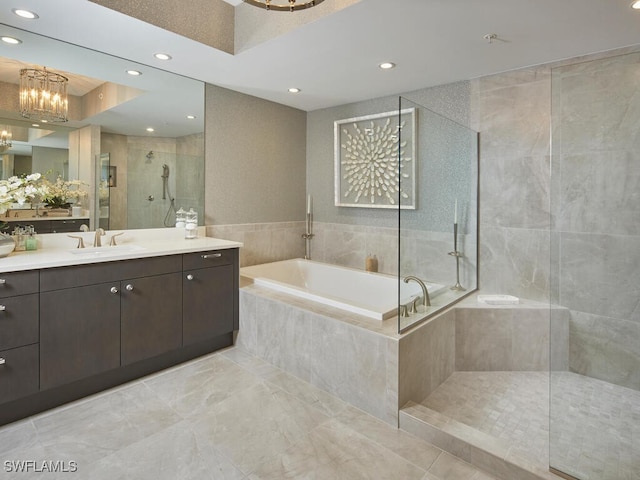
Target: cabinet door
pixel 151 315
pixel 208 303
pixel 79 333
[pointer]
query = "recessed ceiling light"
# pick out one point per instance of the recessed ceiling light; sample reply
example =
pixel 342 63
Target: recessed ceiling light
pixel 25 13
pixel 11 40
pixel 150 129
pixel 134 73
pixel 386 65
pixel 162 56
pixel 636 5
pixel 35 124
pixel 294 90
pixel 191 117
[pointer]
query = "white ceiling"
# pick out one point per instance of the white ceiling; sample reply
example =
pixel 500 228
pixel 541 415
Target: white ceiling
pixel 334 59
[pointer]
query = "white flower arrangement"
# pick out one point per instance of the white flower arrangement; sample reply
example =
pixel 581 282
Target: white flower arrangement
pixel 62 192
pixel 19 190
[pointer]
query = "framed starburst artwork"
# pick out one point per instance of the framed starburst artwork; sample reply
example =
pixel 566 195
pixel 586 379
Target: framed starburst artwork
pixel 375 160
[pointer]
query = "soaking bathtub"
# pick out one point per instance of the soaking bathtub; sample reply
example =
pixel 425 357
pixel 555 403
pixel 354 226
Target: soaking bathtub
pixel 374 295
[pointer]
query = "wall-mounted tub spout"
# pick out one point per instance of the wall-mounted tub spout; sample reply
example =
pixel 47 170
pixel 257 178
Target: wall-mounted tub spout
pixel 426 301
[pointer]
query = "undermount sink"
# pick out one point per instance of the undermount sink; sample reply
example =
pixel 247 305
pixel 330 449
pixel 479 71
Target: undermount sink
pixel 107 250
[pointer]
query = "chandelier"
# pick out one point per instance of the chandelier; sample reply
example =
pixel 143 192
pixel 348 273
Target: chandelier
pixel 284 5
pixel 43 95
pixel 5 139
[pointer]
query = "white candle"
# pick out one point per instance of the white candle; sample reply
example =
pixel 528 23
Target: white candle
pixel 309 204
pixel 455 212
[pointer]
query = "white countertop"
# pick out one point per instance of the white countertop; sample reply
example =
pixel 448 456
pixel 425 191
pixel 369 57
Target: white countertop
pixel 58 250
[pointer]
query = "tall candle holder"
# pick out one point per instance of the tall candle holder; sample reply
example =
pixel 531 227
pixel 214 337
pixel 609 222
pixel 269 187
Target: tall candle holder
pixel 456 254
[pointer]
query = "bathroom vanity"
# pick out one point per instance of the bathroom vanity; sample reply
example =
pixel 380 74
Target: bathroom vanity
pixel 75 322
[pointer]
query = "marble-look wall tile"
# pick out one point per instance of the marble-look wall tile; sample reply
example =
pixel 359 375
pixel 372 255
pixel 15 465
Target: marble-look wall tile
pixel 505 338
pixel 600 274
pixel 263 242
pixel 515 261
pixel 358 365
pixel 246 337
pixel 351 363
pixel 483 339
pixel 426 357
pixel 284 337
pixel 605 348
pixel 599 192
pixel 559 339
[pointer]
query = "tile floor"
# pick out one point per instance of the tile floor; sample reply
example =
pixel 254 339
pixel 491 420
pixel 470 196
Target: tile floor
pixel 595 425
pixel 223 416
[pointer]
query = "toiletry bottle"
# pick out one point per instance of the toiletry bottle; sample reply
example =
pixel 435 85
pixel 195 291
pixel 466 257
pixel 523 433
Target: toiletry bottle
pixel 191 227
pixel 371 263
pixel 181 218
pixel 31 243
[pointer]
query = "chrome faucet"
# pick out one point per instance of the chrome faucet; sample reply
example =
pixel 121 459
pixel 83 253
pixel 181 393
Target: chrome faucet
pixel 426 301
pixel 99 233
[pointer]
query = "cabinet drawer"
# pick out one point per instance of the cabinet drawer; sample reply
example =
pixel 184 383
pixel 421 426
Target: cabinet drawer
pixel 18 372
pixel 19 283
pixel 19 324
pixel 80 275
pixel 213 258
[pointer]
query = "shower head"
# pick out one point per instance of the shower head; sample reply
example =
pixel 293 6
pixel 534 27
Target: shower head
pixel 149 155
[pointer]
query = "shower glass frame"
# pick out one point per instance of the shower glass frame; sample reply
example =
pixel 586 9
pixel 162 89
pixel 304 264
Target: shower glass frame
pixel 446 189
pixel 594 379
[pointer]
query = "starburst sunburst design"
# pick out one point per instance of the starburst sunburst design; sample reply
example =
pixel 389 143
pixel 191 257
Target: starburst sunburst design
pixel 372 162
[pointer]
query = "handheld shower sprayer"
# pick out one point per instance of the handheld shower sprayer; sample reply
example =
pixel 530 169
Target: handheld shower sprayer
pixel 165 180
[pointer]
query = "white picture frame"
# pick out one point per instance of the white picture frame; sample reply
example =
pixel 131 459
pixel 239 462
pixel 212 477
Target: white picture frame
pixel 367 150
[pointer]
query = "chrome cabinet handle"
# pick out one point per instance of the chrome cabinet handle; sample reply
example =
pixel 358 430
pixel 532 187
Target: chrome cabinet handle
pixel 3 308
pixel 129 287
pixel 2 361
pixel 114 290
pixel 189 277
pixel 2 281
pixel 211 255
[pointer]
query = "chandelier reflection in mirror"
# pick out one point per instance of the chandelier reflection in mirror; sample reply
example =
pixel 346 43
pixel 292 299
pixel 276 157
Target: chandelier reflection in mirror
pixel 43 95
pixel 284 5
pixel 5 139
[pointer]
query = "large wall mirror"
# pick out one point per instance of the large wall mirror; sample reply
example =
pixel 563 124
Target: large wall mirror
pixel 136 141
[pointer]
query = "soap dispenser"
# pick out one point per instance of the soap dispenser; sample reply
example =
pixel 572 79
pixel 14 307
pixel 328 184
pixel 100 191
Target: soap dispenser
pixel 181 218
pixel 191 227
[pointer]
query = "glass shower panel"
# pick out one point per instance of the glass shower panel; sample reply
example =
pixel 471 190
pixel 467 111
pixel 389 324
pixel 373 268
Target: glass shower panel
pixel 595 320
pixel 438 224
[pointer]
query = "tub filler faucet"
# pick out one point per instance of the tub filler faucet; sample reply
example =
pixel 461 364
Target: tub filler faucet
pixel 426 301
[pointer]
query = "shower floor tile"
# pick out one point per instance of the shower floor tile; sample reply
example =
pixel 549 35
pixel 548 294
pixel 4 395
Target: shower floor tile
pixel 596 425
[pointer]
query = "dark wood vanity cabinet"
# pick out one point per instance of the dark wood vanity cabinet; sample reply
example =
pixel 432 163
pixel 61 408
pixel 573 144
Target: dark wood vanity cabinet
pixel 150 316
pixel 210 289
pixel 19 335
pixel 70 331
pixel 80 333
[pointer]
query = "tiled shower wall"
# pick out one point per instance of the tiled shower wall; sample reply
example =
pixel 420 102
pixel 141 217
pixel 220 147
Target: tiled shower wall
pixel 596 152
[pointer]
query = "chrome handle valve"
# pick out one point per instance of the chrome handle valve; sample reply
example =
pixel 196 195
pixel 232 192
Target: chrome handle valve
pixel 114 290
pixel 189 277
pixel 3 308
pixel 129 287
pixel 2 361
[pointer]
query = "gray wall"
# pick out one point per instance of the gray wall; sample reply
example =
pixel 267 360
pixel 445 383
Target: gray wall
pixel 255 159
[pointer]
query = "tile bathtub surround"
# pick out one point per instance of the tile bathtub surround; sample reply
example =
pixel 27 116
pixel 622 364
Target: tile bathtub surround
pixel 358 365
pixel 226 416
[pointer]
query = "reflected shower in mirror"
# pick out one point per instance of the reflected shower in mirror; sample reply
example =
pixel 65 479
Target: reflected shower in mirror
pixel 110 112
